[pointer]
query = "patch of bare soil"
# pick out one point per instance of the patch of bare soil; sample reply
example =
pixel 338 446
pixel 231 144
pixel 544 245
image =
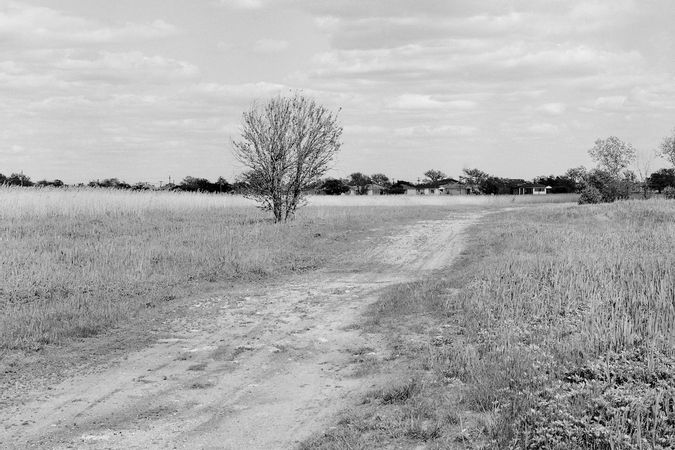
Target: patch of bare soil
pixel 255 367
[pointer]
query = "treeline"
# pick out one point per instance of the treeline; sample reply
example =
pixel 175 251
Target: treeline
pixel 189 183
pixel 574 180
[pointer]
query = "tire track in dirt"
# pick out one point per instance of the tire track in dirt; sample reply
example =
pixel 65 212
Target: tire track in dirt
pixel 256 368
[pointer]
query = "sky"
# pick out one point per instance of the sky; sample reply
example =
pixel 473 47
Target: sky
pixel 144 90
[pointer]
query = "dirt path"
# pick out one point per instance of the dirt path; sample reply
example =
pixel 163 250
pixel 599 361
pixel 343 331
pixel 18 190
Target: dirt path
pixel 260 368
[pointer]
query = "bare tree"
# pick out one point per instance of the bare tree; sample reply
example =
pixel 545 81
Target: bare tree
pixel 434 175
pixel 667 148
pixel 288 144
pixel 643 165
pixel 612 154
pixel 381 179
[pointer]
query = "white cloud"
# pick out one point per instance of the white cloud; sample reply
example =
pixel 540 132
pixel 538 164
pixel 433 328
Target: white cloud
pixel 270 45
pixel 415 101
pixel 543 128
pixel 241 4
pixel 422 102
pixel 27 25
pixel 436 131
pixel 611 103
pixel 553 109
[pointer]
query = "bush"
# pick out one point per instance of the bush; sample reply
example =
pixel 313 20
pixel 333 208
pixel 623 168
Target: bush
pixel 590 195
pixel 669 192
pixel 611 188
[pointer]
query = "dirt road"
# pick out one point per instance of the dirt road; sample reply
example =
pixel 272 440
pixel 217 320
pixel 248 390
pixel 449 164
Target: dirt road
pixel 257 368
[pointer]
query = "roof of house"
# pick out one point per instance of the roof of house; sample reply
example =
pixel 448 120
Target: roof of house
pixel 531 185
pixel 374 186
pixel 436 184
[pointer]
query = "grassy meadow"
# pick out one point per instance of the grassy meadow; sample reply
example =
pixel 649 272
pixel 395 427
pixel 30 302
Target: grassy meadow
pixel 77 261
pixel 555 330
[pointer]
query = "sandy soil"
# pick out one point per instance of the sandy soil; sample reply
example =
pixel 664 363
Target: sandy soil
pixel 261 367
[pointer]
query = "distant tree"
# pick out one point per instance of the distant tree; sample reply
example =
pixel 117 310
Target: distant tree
pixel 399 187
pixel 661 179
pixel 360 181
pixel 45 183
pixel 194 184
pixel 610 186
pixel 332 186
pixel 381 179
pixel 19 179
pixel 667 148
pixel 612 155
pixel 560 184
pixel 434 175
pixel 141 186
pixel 578 175
pixel 113 183
pixel 475 177
pixel 499 186
pixel 288 144
pixel 223 185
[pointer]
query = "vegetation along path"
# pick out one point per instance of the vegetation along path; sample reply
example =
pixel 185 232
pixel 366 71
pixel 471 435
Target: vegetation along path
pixel 262 367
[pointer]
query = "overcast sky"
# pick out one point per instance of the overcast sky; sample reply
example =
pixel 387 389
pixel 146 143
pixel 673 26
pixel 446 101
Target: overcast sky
pixel 147 89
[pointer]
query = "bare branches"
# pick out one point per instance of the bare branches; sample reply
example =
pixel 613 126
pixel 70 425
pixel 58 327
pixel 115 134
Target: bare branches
pixel 287 144
pixel 667 148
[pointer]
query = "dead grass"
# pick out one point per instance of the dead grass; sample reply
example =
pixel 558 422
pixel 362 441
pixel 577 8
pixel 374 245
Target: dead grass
pixel 555 329
pixel 76 262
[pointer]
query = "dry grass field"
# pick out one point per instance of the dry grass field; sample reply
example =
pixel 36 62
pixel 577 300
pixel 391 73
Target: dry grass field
pixel 555 330
pixel 77 261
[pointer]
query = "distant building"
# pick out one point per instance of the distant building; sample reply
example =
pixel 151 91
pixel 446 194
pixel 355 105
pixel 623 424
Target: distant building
pixel 531 189
pixel 368 189
pixel 374 189
pixel 446 186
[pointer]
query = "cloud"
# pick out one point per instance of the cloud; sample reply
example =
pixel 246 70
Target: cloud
pixel 543 128
pixel 26 25
pixel 270 45
pixel 611 102
pixel 422 102
pixel 241 4
pixel 415 101
pixel 124 67
pixel 553 109
pixel 436 131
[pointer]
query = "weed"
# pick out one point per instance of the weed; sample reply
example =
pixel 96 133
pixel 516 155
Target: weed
pixel 400 393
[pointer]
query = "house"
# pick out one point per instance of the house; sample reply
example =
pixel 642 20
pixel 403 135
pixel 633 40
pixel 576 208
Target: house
pixel 531 189
pixel 455 188
pixel 402 188
pixel 368 189
pixel 446 186
pixel 374 189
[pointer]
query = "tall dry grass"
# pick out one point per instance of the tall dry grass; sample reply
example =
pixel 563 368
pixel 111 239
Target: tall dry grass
pixel 558 333
pixel 75 262
pixel 569 318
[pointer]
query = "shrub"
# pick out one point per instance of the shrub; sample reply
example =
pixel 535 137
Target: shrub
pixel 590 195
pixel 610 187
pixel 669 192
